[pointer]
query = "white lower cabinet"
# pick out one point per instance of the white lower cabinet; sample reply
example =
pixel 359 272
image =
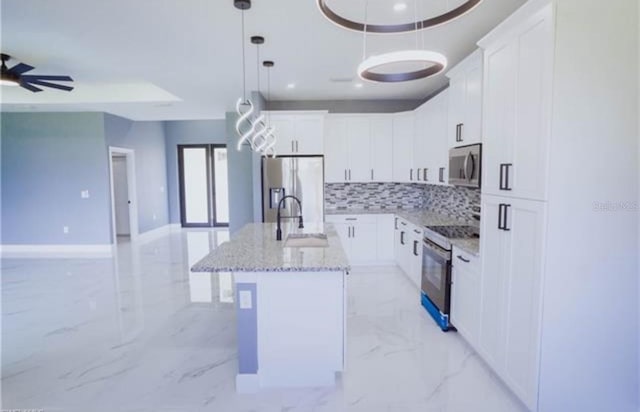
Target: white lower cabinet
pixel 385 237
pixel 366 239
pixel 465 294
pixel 512 248
pixel 415 255
pixel 408 250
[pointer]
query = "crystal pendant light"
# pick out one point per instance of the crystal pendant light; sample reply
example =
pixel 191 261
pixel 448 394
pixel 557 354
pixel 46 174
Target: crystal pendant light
pixel 269 149
pixel 244 107
pixel 258 140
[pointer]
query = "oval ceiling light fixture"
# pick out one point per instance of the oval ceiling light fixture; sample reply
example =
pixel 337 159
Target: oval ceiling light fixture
pixel 434 21
pixel 435 64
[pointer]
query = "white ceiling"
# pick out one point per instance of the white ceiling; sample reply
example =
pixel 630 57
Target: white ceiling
pixel 181 59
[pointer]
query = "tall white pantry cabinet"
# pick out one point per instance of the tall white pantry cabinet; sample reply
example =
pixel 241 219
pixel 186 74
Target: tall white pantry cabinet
pixel 544 103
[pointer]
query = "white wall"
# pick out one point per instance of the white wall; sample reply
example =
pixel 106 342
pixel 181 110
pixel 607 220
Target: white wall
pixel 590 321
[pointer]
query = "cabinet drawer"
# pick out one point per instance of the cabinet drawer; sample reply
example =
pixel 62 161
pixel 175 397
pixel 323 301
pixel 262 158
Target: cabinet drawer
pixel 465 261
pixel 351 219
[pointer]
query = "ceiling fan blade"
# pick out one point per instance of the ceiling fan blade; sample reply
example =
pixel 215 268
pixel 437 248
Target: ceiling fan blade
pixel 34 77
pixel 30 87
pixel 52 85
pixel 20 68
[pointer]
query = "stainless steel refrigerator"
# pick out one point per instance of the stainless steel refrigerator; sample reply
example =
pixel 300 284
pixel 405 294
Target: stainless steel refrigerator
pixel 300 176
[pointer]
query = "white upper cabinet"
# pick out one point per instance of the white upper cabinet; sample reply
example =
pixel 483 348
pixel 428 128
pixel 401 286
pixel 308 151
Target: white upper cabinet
pixel 421 143
pixel 517 111
pixel 403 137
pixel 382 149
pixel 438 146
pixel 336 160
pixel 358 148
pixel 430 147
pixel 283 130
pixel 298 133
pixel 465 102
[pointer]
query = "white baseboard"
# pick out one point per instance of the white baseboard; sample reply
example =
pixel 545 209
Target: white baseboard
pixel 56 251
pixel 157 232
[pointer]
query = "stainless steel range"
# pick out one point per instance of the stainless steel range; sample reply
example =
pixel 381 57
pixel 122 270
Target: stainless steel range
pixel 436 269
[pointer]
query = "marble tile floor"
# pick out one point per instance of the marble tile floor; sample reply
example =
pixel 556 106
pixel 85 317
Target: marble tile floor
pixel 139 332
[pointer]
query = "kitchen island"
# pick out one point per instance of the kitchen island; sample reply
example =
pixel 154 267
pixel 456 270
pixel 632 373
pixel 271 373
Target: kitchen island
pixel 291 305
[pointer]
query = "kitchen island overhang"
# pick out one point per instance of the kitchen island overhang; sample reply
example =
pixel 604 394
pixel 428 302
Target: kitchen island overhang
pixel 291 306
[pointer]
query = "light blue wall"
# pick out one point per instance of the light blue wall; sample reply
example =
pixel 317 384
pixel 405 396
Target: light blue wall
pixel 47 160
pixel 187 132
pixel 147 139
pixel 240 179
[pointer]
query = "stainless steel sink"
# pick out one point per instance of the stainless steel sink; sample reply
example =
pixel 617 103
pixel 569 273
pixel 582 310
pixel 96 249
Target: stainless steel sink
pixel 306 240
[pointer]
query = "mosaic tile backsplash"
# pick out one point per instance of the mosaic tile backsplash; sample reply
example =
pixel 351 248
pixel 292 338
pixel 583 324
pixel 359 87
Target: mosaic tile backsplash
pixel 458 202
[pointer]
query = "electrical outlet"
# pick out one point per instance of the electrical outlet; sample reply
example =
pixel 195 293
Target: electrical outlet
pixel 65 229
pixel 84 194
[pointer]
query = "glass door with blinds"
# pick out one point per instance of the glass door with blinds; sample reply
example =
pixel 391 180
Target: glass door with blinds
pixel 204 191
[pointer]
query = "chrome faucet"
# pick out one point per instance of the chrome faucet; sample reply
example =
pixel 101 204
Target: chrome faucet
pixel 280 203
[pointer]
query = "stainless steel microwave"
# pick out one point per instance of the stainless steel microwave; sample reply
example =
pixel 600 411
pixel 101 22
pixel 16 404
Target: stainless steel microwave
pixel 465 165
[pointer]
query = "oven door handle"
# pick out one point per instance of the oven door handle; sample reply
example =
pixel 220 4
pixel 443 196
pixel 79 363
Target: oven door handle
pixel 438 251
pixel 464 166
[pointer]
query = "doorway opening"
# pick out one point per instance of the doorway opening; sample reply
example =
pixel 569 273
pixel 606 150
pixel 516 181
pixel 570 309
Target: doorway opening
pixel 204 186
pixel 124 210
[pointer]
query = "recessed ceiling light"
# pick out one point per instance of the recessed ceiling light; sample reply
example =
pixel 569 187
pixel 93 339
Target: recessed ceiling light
pixel 358 85
pixel 291 86
pixel 398 7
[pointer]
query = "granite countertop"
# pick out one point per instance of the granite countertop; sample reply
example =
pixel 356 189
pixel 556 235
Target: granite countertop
pixel 254 248
pixel 419 217
pixel 468 245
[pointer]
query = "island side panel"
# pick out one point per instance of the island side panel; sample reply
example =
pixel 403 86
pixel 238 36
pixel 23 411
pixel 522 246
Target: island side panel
pixel 247 380
pixel 300 328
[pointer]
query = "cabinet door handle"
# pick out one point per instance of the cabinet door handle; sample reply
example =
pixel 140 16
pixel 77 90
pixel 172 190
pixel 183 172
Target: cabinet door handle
pixel 353 230
pixel 502 216
pixel 418 174
pixel 461 132
pixel 349 174
pixel 463 259
pixel 504 176
pixel 411 174
pixel 415 248
pixel 441 176
pixel 403 223
pixel 417 232
pixel 345 175
pixel 402 238
pixel 505 217
pixel 425 173
pixel 351 218
pixel 396 223
pixel 297 146
pixel 349 231
pixel 371 174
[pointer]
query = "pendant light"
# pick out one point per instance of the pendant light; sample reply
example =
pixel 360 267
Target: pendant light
pixel 434 63
pixel 258 138
pixel 434 21
pixel 244 107
pixel 269 149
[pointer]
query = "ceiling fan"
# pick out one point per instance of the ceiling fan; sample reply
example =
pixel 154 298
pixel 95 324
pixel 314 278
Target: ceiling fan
pixel 16 76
